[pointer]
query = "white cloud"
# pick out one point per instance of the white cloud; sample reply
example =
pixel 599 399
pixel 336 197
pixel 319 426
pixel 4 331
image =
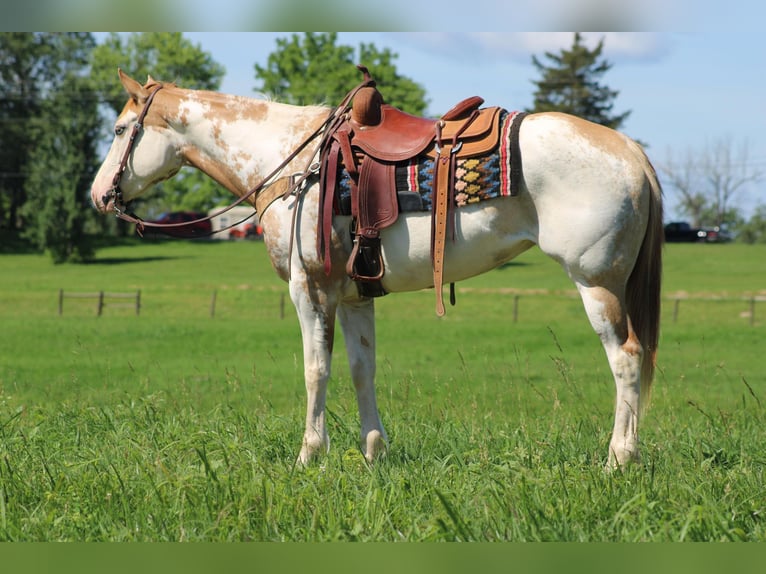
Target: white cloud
pixel 520 46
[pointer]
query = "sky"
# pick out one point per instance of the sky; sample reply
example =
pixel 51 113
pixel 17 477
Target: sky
pixel 697 80
pixel 686 90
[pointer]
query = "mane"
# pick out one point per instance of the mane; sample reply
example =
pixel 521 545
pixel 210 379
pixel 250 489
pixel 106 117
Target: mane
pixel 152 83
pixel 258 96
pixel 273 98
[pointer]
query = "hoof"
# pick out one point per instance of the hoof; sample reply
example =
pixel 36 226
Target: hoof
pixel 375 446
pixel 620 458
pixel 312 449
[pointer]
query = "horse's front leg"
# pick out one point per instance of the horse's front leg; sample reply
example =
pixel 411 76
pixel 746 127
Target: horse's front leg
pixel 357 319
pixel 317 319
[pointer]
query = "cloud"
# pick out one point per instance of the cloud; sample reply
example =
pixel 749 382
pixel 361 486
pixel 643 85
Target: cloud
pixel 617 45
pixel 520 46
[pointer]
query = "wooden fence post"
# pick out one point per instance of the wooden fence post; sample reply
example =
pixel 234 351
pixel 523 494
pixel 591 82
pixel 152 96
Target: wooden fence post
pixel 61 301
pixel 100 302
pixel 676 305
pixel 752 311
pixel 515 308
pixel 212 303
pixel 138 302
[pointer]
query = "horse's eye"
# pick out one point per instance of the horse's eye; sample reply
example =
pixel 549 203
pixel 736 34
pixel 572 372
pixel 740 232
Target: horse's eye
pixel 119 130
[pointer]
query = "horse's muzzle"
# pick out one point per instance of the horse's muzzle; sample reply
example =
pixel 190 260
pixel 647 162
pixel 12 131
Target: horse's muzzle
pixel 113 197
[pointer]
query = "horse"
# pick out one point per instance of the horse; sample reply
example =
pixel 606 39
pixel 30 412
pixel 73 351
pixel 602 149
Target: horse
pixel 589 198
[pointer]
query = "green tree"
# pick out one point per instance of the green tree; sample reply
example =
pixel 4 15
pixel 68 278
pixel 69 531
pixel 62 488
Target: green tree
pixel 29 71
pixel 48 109
pixel 570 84
pixel 189 190
pixel 166 56
pixel 709 182
pixel 62 162
pixel 754 230
pixel 62 165
pixel 314 69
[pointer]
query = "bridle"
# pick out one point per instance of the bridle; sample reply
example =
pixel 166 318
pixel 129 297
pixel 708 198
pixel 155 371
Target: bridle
pixel 296 181
pixel 115 193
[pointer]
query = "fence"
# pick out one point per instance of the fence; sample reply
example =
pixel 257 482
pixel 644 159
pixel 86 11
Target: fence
pixel 214 300
pixel 103 299
pixel 749 301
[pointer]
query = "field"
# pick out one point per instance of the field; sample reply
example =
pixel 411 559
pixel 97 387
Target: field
pixel 175 425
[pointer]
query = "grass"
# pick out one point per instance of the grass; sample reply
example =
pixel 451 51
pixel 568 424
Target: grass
pixel 177 426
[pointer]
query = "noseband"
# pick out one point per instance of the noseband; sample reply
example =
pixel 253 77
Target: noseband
pixel 115 193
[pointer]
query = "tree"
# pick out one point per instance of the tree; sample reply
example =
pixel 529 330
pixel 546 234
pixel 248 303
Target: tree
pixel 754 230
pixel 683 176
pixel 166 56
pixel 312 69
pixel 727 172
pixel 29 71
pixel 708 181
pixel 62 165
pixel 48 148
pixel 570 84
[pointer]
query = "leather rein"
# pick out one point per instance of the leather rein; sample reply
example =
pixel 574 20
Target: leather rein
pixel 296 181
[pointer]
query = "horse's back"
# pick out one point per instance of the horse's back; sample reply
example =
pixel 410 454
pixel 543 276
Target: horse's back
pixel 558 147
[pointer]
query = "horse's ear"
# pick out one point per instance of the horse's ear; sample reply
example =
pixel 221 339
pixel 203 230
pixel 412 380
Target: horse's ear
pixel 134 88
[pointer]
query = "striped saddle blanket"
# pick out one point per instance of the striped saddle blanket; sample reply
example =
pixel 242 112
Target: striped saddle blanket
pixel 476 178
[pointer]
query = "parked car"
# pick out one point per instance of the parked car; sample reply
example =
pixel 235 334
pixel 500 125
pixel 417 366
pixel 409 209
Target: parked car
pixel 681 231
pixel 716 235
pixel 247 230
pixel 197 229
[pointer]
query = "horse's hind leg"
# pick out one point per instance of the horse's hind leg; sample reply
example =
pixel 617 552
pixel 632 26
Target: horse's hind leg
pixel 357 319
pixel 317 322
pixel 607 313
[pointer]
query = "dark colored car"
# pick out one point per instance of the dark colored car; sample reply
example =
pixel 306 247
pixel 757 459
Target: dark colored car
pixel 682 232
pixel 198 229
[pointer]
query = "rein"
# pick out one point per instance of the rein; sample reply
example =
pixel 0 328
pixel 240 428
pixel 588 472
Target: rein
pixel 114 193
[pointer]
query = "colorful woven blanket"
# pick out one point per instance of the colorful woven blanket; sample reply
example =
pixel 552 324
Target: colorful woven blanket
pixel 476 178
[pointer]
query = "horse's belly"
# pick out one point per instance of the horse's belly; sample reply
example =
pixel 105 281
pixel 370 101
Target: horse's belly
pixel 480 245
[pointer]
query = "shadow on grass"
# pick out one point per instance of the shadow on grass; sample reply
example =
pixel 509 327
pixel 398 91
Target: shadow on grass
pixel 121 260
pixel 11 243
pixel 513 264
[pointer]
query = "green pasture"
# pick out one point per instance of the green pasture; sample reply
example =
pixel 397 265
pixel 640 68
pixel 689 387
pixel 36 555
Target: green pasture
pixel 184 424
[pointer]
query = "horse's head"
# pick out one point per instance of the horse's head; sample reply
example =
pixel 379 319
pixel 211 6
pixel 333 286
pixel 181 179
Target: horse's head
pixel 144 150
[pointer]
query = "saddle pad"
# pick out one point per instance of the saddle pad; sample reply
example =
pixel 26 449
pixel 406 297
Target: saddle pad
pixel 476 178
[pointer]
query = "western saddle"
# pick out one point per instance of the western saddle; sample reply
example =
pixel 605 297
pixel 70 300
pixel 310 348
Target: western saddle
pixel 368 142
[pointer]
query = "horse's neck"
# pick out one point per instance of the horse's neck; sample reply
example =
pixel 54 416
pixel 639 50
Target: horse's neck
pixel 239 141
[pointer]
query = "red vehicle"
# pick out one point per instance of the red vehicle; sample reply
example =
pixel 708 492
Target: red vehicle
pixel 246 231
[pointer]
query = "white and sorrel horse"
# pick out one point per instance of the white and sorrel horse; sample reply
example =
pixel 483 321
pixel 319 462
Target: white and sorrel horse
pixel 589 199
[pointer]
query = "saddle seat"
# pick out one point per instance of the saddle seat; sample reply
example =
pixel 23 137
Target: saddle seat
pixel 390 134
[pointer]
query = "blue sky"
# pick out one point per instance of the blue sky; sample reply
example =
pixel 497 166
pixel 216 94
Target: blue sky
pixel 685 90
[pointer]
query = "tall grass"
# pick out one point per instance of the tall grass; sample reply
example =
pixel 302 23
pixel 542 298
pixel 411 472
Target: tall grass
pixel 177 426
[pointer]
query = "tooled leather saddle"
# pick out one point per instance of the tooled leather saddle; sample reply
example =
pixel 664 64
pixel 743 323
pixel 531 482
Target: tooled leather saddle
pixel 368 143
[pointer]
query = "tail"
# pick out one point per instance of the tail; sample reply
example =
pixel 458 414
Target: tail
pixel 643 290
